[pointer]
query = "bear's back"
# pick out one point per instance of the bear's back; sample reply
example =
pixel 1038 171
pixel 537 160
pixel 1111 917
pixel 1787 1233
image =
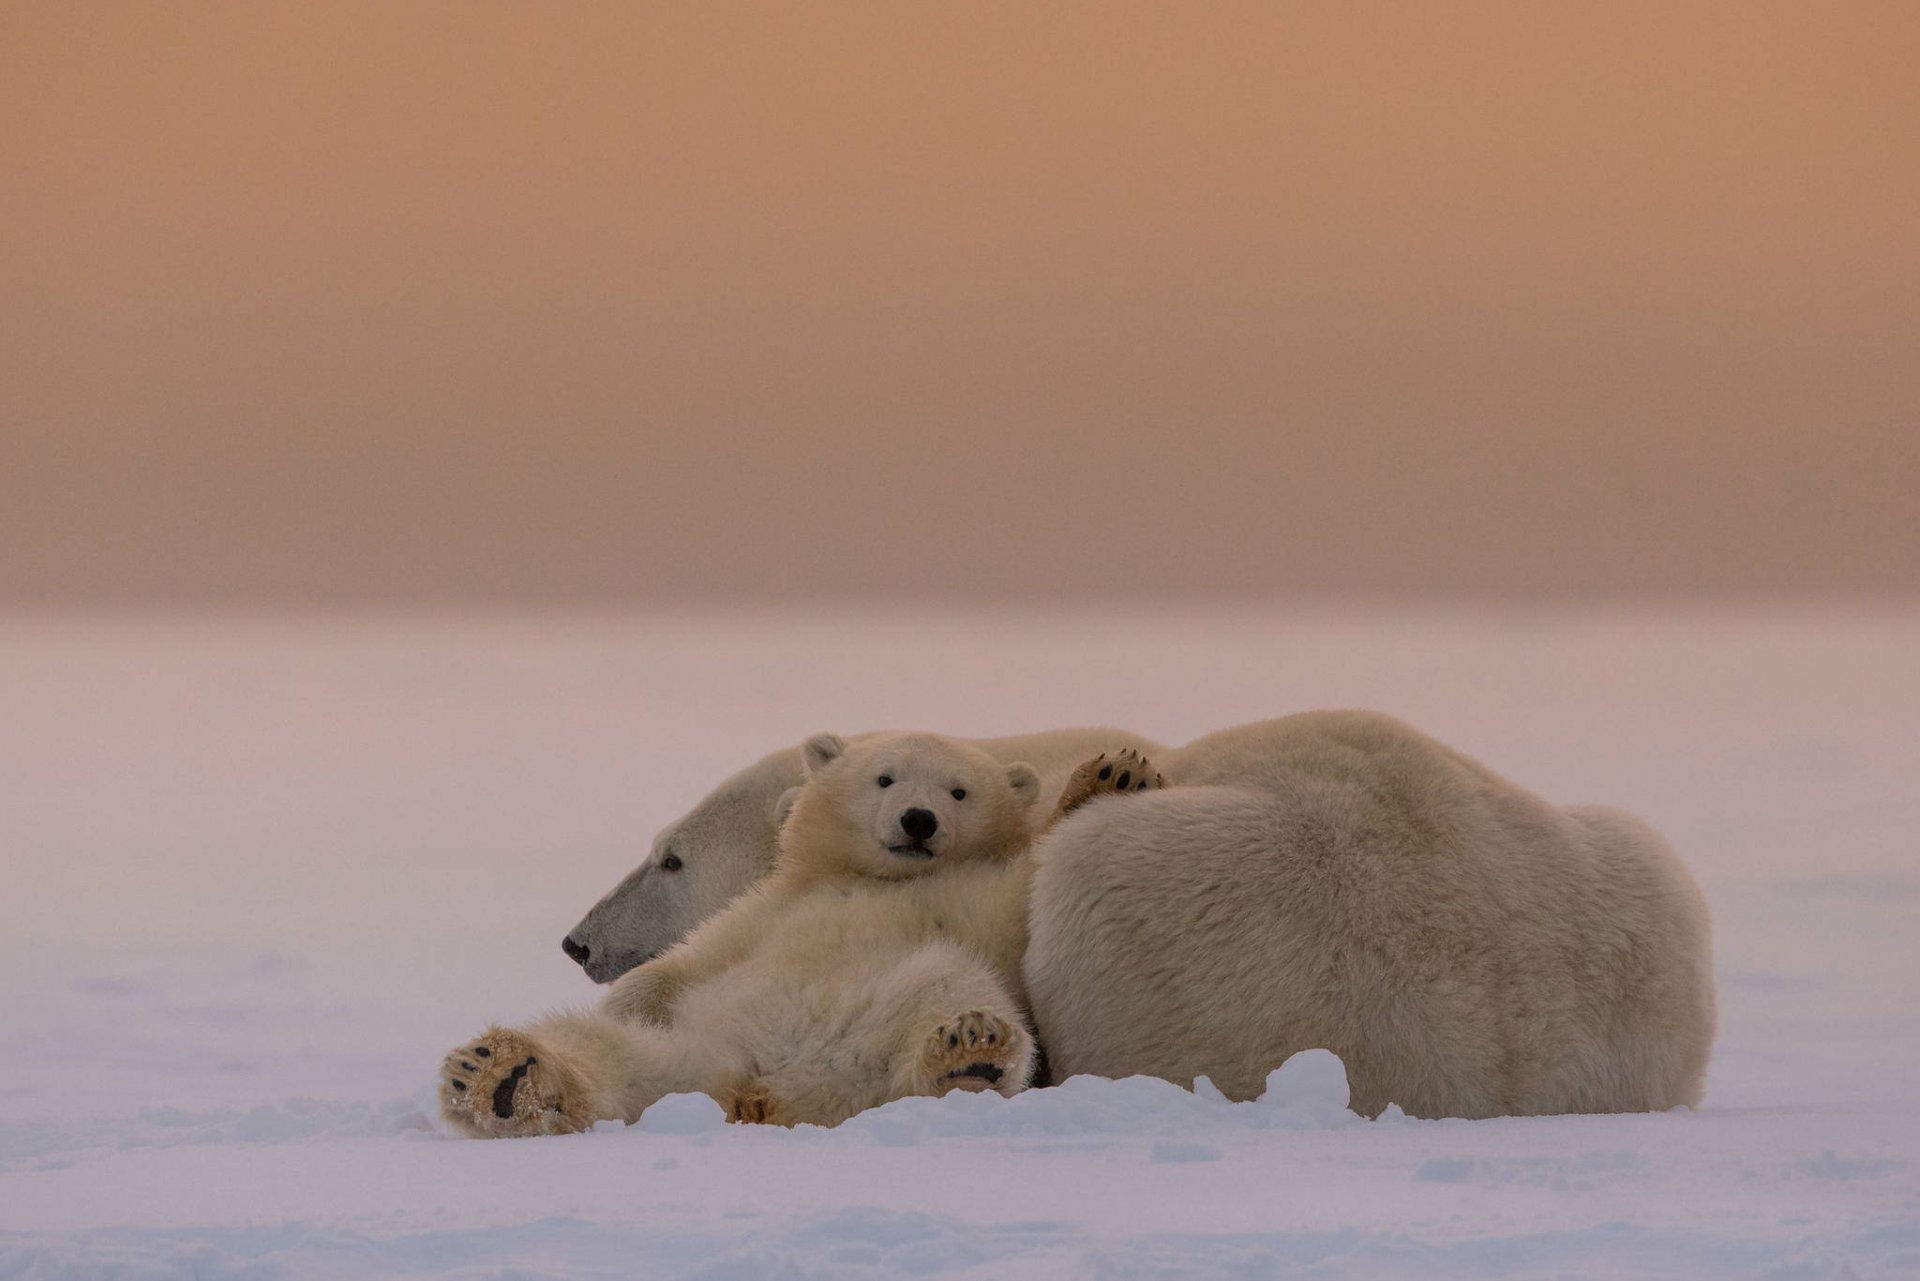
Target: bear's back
pixel 1468 948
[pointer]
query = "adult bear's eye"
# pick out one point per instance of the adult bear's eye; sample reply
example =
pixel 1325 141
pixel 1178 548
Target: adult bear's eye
pixel 672 863
pixel 885 780
pixel 959 793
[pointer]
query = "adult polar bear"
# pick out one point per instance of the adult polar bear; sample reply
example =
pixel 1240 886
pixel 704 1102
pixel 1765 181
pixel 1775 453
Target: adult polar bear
pixel 1331 879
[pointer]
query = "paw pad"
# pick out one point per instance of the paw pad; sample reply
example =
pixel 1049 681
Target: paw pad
pixel 481 1094
pixel 1126 771
pixel 976 1051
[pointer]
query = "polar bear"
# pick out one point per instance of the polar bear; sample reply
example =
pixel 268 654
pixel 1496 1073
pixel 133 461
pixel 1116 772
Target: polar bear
pixel 701 861
pixel 880 958
pixel 1340 880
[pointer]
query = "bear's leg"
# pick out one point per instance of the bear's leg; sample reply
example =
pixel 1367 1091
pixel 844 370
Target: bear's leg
pixel 955 1026
pixel 869 1038
pixel 1108 773
pixel 562 1074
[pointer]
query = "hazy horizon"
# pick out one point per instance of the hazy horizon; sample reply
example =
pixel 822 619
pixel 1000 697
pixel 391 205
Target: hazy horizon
pixel 416 304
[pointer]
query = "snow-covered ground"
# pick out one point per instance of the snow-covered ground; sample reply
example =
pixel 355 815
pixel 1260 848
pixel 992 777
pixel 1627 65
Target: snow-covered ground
pixel 260 874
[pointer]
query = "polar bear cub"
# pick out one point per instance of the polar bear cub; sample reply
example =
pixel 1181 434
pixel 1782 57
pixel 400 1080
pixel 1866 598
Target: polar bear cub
pixel 882 958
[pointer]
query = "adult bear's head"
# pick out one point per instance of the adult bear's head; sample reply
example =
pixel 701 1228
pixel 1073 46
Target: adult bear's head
pixel 696 866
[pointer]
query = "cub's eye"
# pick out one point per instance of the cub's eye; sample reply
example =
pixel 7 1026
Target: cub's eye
pixel 959 793
pixel 672 863
pixel 885 780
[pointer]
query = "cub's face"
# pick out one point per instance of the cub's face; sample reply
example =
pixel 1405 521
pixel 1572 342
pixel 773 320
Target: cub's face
pixel 898 805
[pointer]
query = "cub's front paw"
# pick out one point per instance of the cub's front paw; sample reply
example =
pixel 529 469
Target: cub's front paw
pixel 646 994
pixel 503 1085
pixel 1110 772
pixel 977 1051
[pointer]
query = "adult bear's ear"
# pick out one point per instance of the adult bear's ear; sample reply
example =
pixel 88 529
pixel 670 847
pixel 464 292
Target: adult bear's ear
pixel 784 807
pixel 1025 782
pixel 821 751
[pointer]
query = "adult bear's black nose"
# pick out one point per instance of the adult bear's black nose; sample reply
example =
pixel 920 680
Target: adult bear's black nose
pixel 919 824
pixel 578 951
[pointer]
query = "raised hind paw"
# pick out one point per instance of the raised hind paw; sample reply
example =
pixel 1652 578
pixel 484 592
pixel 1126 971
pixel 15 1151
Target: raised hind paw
pixel 503 1085
pixel 1110 772
pixel 977 1051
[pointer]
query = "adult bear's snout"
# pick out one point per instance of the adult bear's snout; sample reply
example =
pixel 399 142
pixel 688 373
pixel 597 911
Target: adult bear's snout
pixel 578 951
pixel 919 824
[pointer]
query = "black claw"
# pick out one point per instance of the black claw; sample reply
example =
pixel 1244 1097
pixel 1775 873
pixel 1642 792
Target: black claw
pixel 483 1051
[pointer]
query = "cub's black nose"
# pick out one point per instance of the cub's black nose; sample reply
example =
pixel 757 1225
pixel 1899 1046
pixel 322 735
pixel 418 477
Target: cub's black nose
pixel 578 951
pixel 919 824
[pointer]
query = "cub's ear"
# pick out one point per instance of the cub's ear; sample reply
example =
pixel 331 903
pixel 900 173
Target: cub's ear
pixel 1025 782
pixel 784 807
pixel 821 751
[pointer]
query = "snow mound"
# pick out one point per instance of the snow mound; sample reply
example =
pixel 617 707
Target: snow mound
pixel 1307 1092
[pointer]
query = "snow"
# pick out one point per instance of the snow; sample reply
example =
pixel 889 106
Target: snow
pixel 261 873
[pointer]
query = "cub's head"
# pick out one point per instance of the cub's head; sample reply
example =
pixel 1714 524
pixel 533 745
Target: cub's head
pixel 898 805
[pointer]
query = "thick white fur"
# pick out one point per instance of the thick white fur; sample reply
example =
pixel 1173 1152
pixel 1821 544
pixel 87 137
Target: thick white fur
pixel 726 843
pixel 1339 880
pixel 852 975
pixel 1333 879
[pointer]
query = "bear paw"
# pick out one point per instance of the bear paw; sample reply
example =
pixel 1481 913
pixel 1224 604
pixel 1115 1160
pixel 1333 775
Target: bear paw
pixel 505 1086
pixel 752 1104
pixel 1110 772
pixel 977 1051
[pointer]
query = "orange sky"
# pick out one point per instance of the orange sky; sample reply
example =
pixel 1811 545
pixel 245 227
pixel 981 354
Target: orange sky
pixel 540 303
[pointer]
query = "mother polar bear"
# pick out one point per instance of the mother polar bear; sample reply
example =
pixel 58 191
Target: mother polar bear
pixel 1330 879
